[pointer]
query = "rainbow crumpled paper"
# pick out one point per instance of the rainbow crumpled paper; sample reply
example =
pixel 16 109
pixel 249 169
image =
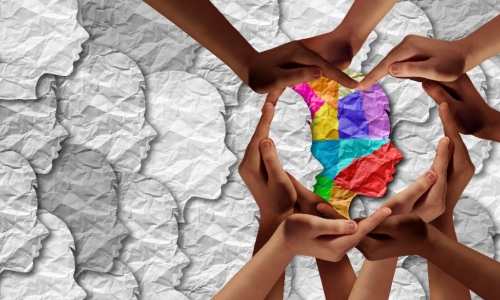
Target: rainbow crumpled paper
pixel 350 132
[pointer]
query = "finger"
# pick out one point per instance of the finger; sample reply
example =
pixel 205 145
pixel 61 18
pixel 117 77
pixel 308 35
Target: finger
pixel 451 130
pixel 368 224
pixel 413 69
pixel 273 97
pixel 382 69
pixel 252 153
pixel 329 71
pixel 437 92
pixel 307 199
pixel 418 188
pixel 271 160
pixel 442 159
pixel 329 212
pixel 320 226
pixel 291 77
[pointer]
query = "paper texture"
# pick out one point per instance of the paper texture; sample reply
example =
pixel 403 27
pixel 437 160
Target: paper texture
pixel 21 234
pixel 118 284
pixel 453 20
pixel 102 104
pixel 301 19
pixel 408 100
pixel 350 132
pixel 188 156
pixel 36 37
pixel 52 275
pixel 149 212
pixel 80 190
pixel 257 21
pixel 29 127
pixel 405 286
pixel 474 229
pixel 140 32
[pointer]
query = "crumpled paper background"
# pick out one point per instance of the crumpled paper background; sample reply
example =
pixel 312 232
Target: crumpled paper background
pixel 140 32
pixel 80 190
pixel 189 155
pixel 218 234
pixel 36 37
pixel 29 127
pixel 102 105
pixel 118 284
pixel 52 275
pixel 149 212
pixel 21 234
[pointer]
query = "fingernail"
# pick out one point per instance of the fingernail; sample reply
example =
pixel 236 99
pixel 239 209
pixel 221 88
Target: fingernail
pixel 394 69
pixel 431 176
pixel 351 227
pixel 266 144
pixel 317 73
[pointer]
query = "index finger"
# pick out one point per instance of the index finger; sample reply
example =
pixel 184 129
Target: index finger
pixel 261 133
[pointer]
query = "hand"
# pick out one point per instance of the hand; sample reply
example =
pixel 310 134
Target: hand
pixel 460 169
pixel 471 113
pixel 426 196
pixel 398 235
pixel 326 239
pixel 263 174
pixel 421 57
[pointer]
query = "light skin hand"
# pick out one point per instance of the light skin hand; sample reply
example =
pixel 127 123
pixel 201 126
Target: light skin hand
pixel 471 113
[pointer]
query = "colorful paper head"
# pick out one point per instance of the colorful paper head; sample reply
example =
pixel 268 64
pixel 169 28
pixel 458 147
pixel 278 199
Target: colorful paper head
pixel 350 132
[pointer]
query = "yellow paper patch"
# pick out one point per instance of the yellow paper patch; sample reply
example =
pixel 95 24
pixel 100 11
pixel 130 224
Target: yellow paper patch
pixel 325 125
pixel 343 91
pixel 326 89
pixel 340 200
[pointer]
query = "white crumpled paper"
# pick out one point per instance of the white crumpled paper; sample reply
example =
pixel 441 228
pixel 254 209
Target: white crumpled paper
pixel 29 127
pixel 149 212
pixel 118 284
pixel 52 275
pixel 21 234
pixel 257 21
pixel 407 98
pixel 140 32
pixel 452 20
pixel 189 155
pixel 36 37
pixel 474 228
pixel 102 105
pixel 405 286
pixel 301 19
pixel 80 190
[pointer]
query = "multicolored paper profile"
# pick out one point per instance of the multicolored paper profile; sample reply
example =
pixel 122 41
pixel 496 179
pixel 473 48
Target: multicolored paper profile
pixel 350 132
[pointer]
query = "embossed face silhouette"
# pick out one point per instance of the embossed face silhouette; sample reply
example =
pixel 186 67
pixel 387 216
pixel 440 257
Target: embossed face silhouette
pixel 102 103
pixel 80 190
pixel 149 211
pixel 36 37
pixel 21 234
pixel 56 264
pixel 29 127
pixel 350 132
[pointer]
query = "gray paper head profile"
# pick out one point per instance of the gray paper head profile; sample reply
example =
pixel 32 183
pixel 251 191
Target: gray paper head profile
pixel 52 277
pixel 189 155
pixel 118 284
pixel 149 212
pixel 102 104
pixel 36 37
pixel 21 234
pixel 29 127
pixel 80 190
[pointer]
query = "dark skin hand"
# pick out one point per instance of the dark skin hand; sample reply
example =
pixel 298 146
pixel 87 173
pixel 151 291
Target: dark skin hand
pixel 407 234
pixel 469 110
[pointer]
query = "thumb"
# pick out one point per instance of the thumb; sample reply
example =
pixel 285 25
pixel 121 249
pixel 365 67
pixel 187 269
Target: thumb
pixel 320 226
pixel 272 163
pixel 368 224
pixel 420 69
pixel 290 77
pixel 273 97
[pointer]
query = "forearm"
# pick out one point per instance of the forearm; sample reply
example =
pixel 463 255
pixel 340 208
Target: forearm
pixel 267 227
pixel 492 129
pixel 363 17
pixel 374 280
pixel 257 277
pixel 442 285
pixel 337 278
pixel 203 22
pixel 477 272
pixel 482 44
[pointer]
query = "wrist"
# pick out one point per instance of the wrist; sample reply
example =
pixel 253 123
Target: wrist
pixel 430 243
pixel 469 53
pixel 354 36
pixel 274 218
pixel 283 241
pixel 491 130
